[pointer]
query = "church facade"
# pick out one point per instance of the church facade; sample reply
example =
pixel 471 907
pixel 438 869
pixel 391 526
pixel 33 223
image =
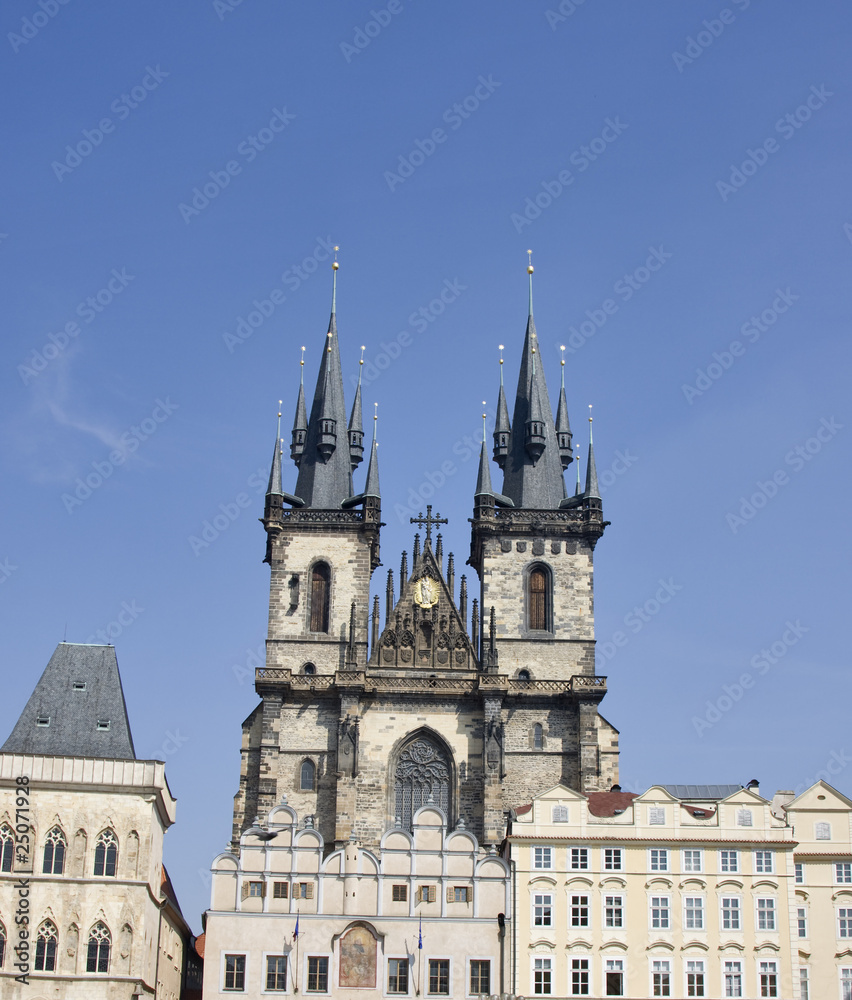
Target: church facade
pixel 472 698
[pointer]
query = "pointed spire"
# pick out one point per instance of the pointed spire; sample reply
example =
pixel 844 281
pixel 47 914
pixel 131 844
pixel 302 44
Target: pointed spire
pixel 535 437
pixel 502 427
pixel 374 639
pixel 371 488
pixel 563 425
pixel 451 576
pixel 415 555
pixel 474 627
pixel 356 429
pixel 389 598
pixel 484 495
pixel 439 551
pixel 592 489
pixel 403 572
pixel 351 651
pixel 463 600
pixel 275 486
pixel 300 420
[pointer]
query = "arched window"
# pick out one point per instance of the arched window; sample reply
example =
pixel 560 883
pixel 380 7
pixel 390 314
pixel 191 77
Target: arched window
pixel 54 852
pixel 7 848
pixel 538 599
pixel 307 776
pixel 106 854
pixel 45 956
pixel 97 955
pixel 523 675
pixel 538 737
pixel 2 945
pixel 422 775
pixel 320 595
pixel 309 668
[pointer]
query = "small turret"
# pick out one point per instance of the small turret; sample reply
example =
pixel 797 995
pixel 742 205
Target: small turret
pixel 502 427
pixel 592 489
pixel 275 489
pixel 563 425
pixel 356 430
pixel 300 420
pixel 535 440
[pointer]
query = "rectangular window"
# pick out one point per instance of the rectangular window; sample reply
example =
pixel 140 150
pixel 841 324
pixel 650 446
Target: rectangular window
pixel 659 860
pixel 560 814
pixel 427 894
pixel 280 890
pixel 694 913
pixel 822 831
pixel 744 817
pixel 733 979
pixel 763 862
pixel 660 913
pixel 303 890
pixel 398 975
pixel 255 889
pixel 235 972
pixel 276 973
pixel 579 911
pixel 439 977
pixel 800 873
pixel 661 979
pixel 843 872
pixel 542 857
pixel 614 911
pixel 399 893
pixel 614 974
pixel 695 979
pixel 804 985
pixel 317 974
pixel 480 976
pixel 612 859
pixel 43 720
pixel 461 894
pixel 542 909
pixel 731 913
pixel 846 984
pixel 768 979
pixel 802 921
pixel 729 861
pixel 542 976
pixel 656 815
pixel 766 914
pixel 844 922
pixel 692 861
pixel 579 858
pixel 579 977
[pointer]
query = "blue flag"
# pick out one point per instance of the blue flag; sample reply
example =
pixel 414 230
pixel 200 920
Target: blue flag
pixel 420 933
pixel 296 931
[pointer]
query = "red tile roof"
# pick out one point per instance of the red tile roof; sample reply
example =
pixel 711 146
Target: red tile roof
pixel 608 803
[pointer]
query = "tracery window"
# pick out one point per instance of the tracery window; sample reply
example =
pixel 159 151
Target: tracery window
pixel 7 848
pixel 320 596
pixel 54 852
pixel 538 599
pixel 97 955
pixel 45 957
pixel 106 854
pixel 422 772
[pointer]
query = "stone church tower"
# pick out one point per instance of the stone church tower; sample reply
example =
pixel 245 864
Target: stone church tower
pixel 362 722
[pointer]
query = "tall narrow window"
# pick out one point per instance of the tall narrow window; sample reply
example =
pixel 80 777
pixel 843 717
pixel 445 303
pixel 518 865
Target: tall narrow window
pixel 3 945
pixel 45 958
pixel 320 593
pixel 422 776
pixel 7 848
pixel 538 737
pixel 97 955
pixel 539 599
pixel 106 854
pixel 54 853
pixel 307 777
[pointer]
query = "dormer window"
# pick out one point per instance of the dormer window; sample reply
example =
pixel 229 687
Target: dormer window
pixel 42 720
pixel 79 685
pixel 103 725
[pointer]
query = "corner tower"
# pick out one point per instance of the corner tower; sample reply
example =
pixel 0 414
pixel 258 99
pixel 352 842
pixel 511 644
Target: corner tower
pixel 532 547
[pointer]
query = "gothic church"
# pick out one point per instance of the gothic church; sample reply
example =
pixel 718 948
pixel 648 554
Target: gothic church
pixel 365 717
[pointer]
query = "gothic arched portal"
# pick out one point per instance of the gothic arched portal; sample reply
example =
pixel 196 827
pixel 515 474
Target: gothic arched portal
pixel 422 776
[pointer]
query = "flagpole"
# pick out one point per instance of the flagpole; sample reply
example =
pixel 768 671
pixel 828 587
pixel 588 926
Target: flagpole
pixel 296 937
pixel 420 957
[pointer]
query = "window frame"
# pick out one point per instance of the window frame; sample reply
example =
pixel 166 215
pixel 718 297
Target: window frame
pixel 541 977
pixel 696 857
pixel 844 922
pixel 726 858
pixel 663 910
pixel 449 964
pixel 662 863
pixel 766 916
pixel 319 616
pixel 47 933
pixel 307 762
pixel 578 859
pixel 761 859
pixel 661 987
pixel 542 858
pixel 801 922
pixel 692 989
pixel 577 975
pixel 105 940
pixel 469 978
pixel 538 903
pixel 843 872
pixel 690 913
pixel 401 963
pixel 616 855
pixel 736 909
pixel 322 957
pixel 736 969
pixel 580 910
pixel 619 968
pixel 767 969
pixel 53 843
pixel 539 622
pixel 276 955
pixel 613 908
pixel 105 842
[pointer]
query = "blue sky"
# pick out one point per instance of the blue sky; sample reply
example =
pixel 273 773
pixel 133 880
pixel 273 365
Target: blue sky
pixel 677 169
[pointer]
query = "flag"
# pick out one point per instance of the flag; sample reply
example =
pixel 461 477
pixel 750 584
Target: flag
pixel 420 933
pixel 296 931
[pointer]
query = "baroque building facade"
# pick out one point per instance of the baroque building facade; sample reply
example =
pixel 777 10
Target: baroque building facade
pixel 473 706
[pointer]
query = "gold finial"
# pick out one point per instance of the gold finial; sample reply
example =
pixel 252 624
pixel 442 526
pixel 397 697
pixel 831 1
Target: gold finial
pixel 361 362
pixel 484 438
pixel 280 404
pixel 375 421
pixel 530 267
pixel 335 265
pixel 562 348
pixel 502 348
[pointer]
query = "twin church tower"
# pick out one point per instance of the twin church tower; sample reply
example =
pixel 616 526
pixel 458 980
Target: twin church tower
pixel 368 713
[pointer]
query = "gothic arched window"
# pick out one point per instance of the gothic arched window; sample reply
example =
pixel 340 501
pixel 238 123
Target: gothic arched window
pixel 421 777
pixel 54 853
pixel 2 945
pixel 538 599
pixel 97 955
pixel 307 776
pixel 538 736
pixel 320 596
pixel 7 848
pixel 106 854
pixel 45 956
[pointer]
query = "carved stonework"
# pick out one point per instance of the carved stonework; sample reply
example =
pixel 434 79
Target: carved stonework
pixel 538 547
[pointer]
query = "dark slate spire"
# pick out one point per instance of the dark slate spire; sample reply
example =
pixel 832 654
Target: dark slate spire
pixel 484 495
pixel 300 420
pixel 533 483
pixel 275 486
pixel 77 708
pixel 356 429
pixel 592 489
pixel 371 488
pixel 563 425
pixel 502 427
pixel 325 472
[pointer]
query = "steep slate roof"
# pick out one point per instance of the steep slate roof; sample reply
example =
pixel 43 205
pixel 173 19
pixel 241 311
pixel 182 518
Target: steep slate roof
pixel 75 713
pixel 701 792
